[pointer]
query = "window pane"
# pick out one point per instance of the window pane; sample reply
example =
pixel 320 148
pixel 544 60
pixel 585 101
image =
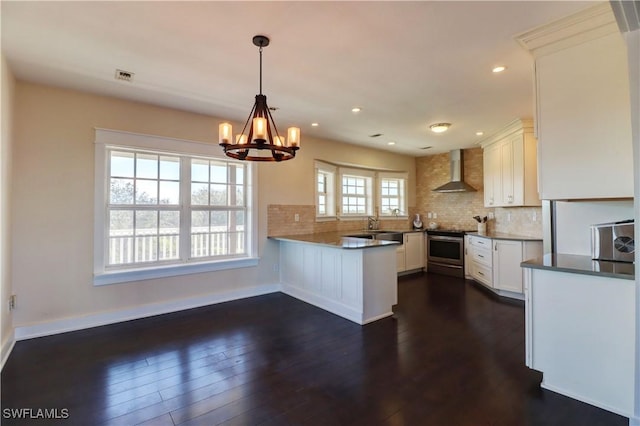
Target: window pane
pixel 199 170
pixel 146 222
pixel 239 201
pixel 122 164
pixel 121 191
pixel 147 166
pixel 218 195
pixel 169 239
pixel 169 192
pixel 218 173
pixel 200 194
pixel 170 168
pixel 199 234
pixel 239 174
pixel 219 237
pixel 146 191
pixel 120 222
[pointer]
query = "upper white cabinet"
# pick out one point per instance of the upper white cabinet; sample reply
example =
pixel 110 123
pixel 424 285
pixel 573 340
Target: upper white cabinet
pixel 510 170
pixel 583 122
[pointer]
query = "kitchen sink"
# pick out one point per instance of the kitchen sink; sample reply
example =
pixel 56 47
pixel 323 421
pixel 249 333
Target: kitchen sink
pixel 379 235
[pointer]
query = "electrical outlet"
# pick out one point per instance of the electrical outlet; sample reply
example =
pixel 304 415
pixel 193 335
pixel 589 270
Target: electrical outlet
pixel 435 215
pixel 508 217
pixel 12 302
pixel 535 217
pixel 490 216
pixel 296 217
pixel 429 215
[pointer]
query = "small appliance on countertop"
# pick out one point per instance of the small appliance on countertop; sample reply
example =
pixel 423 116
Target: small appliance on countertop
pixel 613 241
pixel 417 223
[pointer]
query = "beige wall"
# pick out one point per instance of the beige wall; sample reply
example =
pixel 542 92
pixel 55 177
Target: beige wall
pixel 53 202
pixel 8 86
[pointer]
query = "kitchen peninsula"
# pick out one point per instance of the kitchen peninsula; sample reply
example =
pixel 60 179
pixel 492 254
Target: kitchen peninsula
pixel 354 278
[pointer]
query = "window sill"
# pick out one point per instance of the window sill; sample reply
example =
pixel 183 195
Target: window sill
pixel 394 217
pixel 171 271
pixel 326 218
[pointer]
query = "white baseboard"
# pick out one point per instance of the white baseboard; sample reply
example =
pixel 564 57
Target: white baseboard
pixel 7 347
pixel 584 399
pixel 96 320
pixel 324 303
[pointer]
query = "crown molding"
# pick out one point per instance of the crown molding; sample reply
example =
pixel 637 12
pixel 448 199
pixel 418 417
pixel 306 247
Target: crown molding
pixel 588 24
pixel 517 126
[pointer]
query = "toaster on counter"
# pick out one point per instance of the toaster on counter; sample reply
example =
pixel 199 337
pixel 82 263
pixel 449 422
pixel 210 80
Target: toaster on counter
pixel 613 241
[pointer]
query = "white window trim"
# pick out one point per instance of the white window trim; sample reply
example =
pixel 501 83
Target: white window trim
pixel 113 138
pixel 371 196
pixel 321 166
pixel 403 215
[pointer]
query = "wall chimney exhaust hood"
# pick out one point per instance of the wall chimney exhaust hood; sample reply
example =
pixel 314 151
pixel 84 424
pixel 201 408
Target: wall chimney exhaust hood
pixel 457 168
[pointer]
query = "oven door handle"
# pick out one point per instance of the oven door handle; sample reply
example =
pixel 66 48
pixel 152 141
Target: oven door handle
pixel 439 238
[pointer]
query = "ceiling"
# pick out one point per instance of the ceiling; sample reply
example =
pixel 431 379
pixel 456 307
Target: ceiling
pixel 406 64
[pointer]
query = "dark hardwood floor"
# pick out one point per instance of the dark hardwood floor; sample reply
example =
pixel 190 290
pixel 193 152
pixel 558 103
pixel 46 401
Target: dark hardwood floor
pixel 451 355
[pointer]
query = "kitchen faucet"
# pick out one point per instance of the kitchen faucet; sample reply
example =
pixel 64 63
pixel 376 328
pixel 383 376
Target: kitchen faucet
pixel 372 223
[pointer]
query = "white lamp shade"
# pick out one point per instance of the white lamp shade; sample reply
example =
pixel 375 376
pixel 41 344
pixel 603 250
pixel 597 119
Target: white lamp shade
pixel 293 136
pixel 224 133
pixel 259 128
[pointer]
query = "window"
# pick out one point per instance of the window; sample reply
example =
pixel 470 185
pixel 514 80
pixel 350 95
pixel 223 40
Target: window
pixel 392 190
pixel 168 211
pixel 356 192
pixel 325 190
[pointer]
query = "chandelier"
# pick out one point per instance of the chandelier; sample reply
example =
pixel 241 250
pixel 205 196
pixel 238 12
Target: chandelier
pixel 262 142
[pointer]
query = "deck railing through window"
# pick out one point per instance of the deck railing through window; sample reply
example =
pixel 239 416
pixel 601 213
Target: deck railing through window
pixel 147 246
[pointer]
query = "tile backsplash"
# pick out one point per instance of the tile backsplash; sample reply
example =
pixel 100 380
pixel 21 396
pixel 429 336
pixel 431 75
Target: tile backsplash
pixel 281 221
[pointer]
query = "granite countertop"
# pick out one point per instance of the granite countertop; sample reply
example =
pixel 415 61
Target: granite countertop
pixel 336 239
pixel 503 236
pixel 582 265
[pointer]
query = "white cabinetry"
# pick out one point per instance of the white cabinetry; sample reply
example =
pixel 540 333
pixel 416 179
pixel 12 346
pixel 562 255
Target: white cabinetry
pixel 507 273
pixel 480 256
pixel 414 250
pixel 357 284
pixel 510 170
pixel 582 105
pixel 495 263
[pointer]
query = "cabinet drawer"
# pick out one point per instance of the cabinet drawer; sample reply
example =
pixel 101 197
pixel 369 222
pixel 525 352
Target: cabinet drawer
pixel 482 255
pixel 481 273
pixel 480 242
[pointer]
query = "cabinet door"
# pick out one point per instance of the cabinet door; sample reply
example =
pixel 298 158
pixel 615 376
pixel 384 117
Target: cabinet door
pixel 414 250
pixel 507 273
pixel 506 173
pixel 491 164
pixel 584 121
pixel 400 260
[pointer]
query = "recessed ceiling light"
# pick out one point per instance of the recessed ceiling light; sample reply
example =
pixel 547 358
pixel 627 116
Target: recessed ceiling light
pixel 314 124
pixel 499 68
pixel 440 127
pixel 391 143
pixel 356 109
pixel 479 133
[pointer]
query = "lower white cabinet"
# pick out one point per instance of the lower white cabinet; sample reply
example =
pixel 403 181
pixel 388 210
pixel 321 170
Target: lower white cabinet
pixel 495 263
pixel 413 250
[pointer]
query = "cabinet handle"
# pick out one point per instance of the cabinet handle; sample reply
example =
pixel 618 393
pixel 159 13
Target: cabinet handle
pixel 481 256
pixel 480 273
pixel 495 247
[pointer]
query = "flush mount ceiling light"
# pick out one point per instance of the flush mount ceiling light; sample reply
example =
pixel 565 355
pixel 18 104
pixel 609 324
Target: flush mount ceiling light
pixel 479 133
pixel 263 137
pixel 440 127
pixel 498 69
pixel 391 143
pixel 356 109
pixel 314 124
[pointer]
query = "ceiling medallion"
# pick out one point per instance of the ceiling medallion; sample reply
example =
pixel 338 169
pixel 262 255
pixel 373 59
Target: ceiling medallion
pixel 262 142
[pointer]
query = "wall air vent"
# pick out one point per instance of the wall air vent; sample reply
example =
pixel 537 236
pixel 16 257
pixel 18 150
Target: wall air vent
pixel 375 135
pixel 426 147
pixel 124 75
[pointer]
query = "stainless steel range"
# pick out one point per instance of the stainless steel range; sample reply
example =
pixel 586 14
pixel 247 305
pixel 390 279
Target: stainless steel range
pixel 445 252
